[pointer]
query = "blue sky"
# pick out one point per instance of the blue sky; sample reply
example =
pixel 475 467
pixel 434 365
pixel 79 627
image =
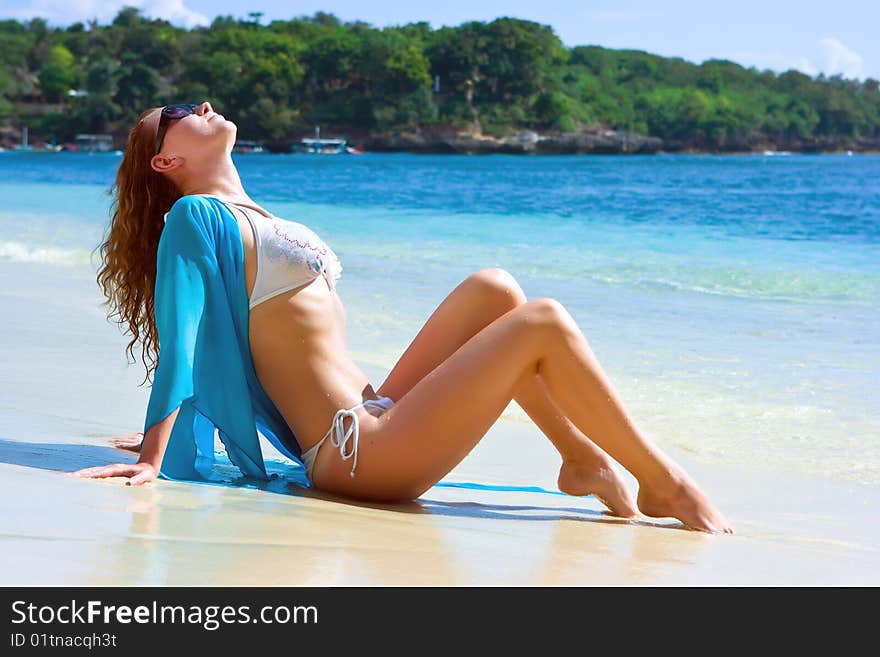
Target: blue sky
pixel 811 36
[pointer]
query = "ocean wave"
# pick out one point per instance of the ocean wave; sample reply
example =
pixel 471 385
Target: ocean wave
pixel 827 276
pixel 20 252
pixel 780 285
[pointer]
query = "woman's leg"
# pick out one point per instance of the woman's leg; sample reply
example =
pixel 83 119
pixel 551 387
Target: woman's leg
pixel 438 422
pixel 474 304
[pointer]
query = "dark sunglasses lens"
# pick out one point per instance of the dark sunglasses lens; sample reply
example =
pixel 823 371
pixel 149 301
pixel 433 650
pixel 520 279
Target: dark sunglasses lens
pixel 178 111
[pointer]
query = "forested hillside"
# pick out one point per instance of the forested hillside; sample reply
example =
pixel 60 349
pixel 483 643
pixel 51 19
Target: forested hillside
pixel 277 81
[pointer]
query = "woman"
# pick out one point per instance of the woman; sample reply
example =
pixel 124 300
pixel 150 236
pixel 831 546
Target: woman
pixel 483 346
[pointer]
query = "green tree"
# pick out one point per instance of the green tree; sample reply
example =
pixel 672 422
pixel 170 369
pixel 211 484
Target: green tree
pixel 15 43
pixel 137 87
pixel 7 88
pixel 58 74
pixel 102 76
pixel 279 79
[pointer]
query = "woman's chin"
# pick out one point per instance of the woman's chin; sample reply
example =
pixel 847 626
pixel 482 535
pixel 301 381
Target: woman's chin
pixel 231 136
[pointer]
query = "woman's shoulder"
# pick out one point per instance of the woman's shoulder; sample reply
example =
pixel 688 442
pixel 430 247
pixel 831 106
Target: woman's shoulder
pixel 193 200
pixel 192 205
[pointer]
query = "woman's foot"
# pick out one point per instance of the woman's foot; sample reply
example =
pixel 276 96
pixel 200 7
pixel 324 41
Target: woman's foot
pixel 601 480
pixel 679 497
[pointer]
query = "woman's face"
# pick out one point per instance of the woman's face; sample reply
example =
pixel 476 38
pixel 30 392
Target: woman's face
pixel 193 140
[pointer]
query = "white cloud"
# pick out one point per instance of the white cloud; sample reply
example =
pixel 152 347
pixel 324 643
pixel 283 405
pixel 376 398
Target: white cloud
pixel 831 57
pixel 774 61
pixel 805 66
pixel 175 12
pixel 65 12
pixel 837 58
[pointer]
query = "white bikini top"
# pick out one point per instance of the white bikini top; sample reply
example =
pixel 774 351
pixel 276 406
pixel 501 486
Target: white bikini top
pixel 289 255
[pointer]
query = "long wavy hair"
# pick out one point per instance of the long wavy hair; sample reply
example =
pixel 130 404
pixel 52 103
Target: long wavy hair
pixel 141 197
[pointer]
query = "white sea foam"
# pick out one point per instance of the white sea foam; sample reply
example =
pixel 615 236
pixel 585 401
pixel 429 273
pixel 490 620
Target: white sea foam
pixel 21 252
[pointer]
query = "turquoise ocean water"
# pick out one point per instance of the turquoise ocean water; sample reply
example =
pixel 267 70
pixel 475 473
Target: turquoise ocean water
pixel 733 300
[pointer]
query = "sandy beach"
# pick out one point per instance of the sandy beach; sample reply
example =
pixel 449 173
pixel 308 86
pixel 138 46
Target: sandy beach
pixel 65 389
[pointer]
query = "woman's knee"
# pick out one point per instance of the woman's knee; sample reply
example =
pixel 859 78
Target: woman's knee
pixel 498 284
pixel 547 314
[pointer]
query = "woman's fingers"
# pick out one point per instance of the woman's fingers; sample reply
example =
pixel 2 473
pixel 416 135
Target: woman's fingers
pixel 138 473
pixel 115 470
pixel 130 442
pixel 141 477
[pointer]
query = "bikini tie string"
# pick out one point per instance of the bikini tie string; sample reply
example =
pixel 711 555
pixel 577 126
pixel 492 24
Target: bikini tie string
pixel 338 427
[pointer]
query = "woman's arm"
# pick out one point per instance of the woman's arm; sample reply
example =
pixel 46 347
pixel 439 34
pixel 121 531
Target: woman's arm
pixel 156 440
pixel 147 467
pixel 186 263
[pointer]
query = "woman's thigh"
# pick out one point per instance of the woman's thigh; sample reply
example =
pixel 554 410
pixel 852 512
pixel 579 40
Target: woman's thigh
pixel 432 427
pixel 475 303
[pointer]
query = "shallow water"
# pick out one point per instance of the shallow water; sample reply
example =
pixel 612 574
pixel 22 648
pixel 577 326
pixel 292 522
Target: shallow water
pixel 733 301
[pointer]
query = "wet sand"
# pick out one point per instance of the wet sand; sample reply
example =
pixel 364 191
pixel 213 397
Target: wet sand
pixel 65 389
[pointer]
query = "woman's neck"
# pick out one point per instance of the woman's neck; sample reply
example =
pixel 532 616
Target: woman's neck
pixel 218 179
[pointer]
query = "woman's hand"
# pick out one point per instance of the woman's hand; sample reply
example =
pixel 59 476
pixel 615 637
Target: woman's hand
pixel 138 473
pixel 130 442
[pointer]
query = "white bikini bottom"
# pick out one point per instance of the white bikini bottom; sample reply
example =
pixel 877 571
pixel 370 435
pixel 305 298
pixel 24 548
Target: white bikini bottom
pixel 339 435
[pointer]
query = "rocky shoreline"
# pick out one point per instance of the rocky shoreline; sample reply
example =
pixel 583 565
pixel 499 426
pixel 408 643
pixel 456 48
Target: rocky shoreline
pixel 529 142
pixel 525 142
pixel 611 142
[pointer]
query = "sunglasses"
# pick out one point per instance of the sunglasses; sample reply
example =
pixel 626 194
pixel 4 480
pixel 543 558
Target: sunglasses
pixel 169 114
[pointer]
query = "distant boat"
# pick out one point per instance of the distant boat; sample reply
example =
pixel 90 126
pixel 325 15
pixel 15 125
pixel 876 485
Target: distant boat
pixel 769 153
pixel 325 147
pixel 245 146
pixel 92 143
pixel 319 146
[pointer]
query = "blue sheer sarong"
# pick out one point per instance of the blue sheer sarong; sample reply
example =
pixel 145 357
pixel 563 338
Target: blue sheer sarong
pixel 205 365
